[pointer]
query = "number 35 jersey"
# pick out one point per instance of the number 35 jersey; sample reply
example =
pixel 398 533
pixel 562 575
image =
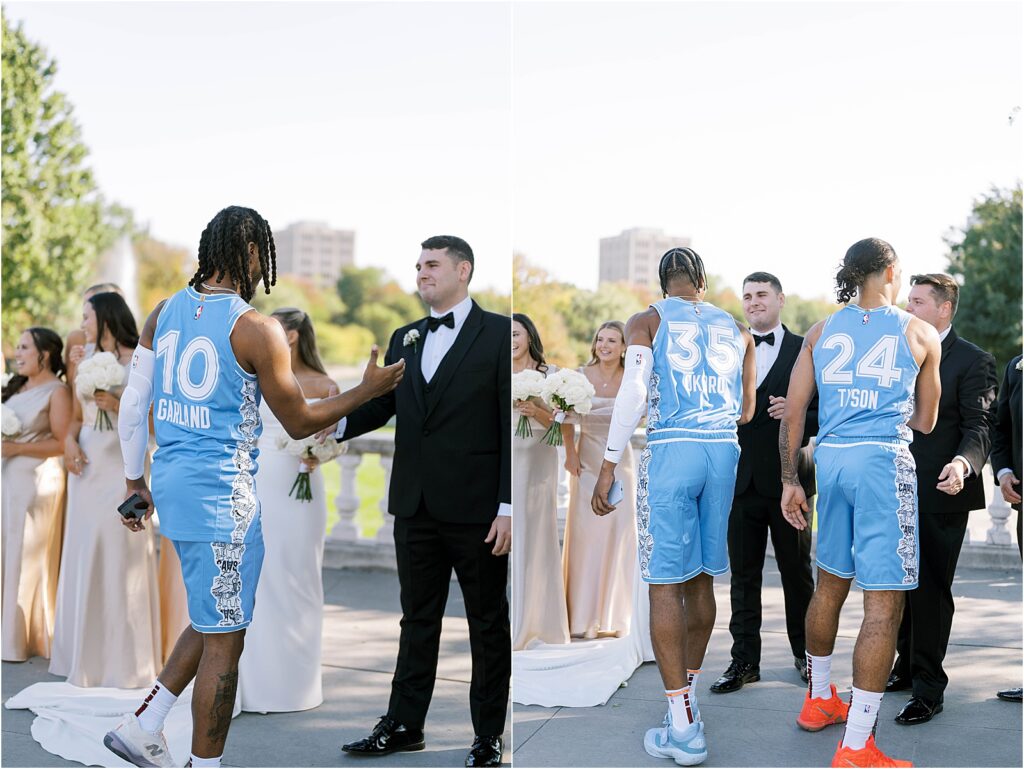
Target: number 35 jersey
pixel 207 421
pixel 697 379
pixel 865 372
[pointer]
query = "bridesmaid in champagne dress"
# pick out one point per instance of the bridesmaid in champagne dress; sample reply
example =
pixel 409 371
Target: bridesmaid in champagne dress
pixel 108 606
pixel 538 597
pixel 32 486
pixel 280 667
pixel 599 555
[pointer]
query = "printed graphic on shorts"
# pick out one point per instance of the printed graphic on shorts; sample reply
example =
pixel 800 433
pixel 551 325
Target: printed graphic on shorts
pixel 645 541
pixel 227 584
pixel 906 511
pixel 654 403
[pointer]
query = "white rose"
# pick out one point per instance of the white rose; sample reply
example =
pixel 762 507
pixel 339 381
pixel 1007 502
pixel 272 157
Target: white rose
pixel 11 425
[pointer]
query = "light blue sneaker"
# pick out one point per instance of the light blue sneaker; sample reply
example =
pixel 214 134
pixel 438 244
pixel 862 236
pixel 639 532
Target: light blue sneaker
pixel 689 750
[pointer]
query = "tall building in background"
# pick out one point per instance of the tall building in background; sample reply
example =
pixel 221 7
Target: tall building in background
pixel 633 256
pixel 314 251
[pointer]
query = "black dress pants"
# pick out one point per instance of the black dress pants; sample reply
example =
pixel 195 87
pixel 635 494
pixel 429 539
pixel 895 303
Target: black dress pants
pixel 751 519
pixel 928 615
pixel 427 550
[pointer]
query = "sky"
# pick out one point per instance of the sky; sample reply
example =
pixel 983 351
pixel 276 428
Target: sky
pixel 774 135
pixel 392 119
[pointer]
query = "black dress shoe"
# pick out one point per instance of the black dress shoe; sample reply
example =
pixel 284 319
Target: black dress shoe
pixel 1010 695
pixel 800 663
pixel 486 751
pixel 388 736
pixel 919 710
pixel 898 683
pixel 737 674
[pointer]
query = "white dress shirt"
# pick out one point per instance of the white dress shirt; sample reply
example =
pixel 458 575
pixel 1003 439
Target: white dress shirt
pixel 436 345
pixel 766 354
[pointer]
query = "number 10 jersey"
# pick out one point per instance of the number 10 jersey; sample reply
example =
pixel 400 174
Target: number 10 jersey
pixel 207 422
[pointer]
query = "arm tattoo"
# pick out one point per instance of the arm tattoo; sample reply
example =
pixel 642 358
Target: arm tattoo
pixel 223 704
pixel 788 458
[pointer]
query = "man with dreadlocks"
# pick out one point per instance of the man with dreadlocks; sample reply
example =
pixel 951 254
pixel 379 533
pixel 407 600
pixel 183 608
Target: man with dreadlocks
pixel 204 361
pixel 876 371
pixel 698 364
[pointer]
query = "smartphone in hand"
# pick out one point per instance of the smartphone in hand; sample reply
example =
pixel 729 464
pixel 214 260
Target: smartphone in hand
pixel 615 493
pixel 133 507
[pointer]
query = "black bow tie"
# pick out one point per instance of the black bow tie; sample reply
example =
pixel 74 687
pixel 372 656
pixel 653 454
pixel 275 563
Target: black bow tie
pixel 769 338
pixel 433 324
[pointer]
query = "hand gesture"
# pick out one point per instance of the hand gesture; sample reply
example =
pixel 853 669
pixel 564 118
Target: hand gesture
pixel 107 401
pixel 381 380
pixel 1006 484
pixel 76 354
pixel 599 501
pixel 951 479
pixel 501 535
pixel 572 462
pixel 75 459
pixel 776 406
pixel 529 408
pixel 794 505
pixel 136 524
pixel 10 449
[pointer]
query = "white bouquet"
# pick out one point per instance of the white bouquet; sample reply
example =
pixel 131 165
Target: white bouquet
pixel 99 373
pixel 528 383
pixel 308 448
pixel 5 378
pixel 11 423
pixel 566 390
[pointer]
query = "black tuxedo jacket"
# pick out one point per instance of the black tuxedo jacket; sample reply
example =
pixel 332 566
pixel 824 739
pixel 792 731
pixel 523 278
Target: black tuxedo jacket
pixel 1006 433
pixel 453 435
pixel 759 438
pixel 968 378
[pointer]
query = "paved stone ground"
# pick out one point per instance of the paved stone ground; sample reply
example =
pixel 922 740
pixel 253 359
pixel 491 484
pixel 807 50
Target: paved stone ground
pixel 755 726
pixel 360 646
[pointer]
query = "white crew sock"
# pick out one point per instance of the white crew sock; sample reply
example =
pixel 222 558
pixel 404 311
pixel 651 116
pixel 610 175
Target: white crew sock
pixel 155 708
pixel 861 719
pixel 197 761
pixel 819 672
pixel 683 710
pixel 691 678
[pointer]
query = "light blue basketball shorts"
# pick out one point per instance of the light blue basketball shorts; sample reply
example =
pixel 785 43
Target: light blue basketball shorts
pixel 220 582
pixel 867 512
pixel 684 493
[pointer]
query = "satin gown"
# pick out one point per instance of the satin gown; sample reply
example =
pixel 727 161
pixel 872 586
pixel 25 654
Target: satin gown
pixel 33 519
pixel 538 596
pixel 108 603
pixel 600 551
pixel 280 666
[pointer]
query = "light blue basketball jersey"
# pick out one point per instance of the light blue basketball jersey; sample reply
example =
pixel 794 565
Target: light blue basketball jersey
pixel 865 373
pixel 697 380
pixel 207 422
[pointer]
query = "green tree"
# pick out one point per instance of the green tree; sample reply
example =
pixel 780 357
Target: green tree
pixel 381 320
pixel 162 270
pixel 493 301
pixel 323 306
pixel 800 314
pixel 54 222
pixel 985 257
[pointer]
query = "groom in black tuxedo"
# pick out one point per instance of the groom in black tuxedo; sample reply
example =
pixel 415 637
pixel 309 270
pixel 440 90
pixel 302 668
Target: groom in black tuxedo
pixel 450 494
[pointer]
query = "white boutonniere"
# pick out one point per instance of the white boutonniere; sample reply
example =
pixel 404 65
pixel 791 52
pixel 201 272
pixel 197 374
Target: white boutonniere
pixel 1020 365
pixel 412 336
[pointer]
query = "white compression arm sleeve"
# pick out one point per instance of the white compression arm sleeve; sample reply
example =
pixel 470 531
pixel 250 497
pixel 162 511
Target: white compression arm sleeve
pixel 631 400
pixel 133 415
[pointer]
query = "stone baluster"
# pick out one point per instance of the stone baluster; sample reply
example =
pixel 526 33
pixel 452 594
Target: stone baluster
pixel 347 500
pixel 999 511
pixel 386 531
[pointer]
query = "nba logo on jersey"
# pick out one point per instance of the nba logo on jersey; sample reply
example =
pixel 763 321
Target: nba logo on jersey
pixel 199 311
pixel 865 319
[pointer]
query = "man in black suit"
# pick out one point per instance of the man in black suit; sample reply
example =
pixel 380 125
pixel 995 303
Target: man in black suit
pixel 1006 450
pixel 755 510
pixel 450 494
pixel 949 462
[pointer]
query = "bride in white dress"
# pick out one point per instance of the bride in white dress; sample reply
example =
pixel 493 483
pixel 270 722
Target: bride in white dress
pixel 280 667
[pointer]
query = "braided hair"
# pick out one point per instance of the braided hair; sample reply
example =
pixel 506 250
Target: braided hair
pixel 863 259
pixel 224 249
pixel 681 263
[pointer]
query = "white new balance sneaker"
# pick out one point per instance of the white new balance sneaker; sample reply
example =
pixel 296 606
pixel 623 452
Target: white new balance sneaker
pixel 137 746
pixel 688 750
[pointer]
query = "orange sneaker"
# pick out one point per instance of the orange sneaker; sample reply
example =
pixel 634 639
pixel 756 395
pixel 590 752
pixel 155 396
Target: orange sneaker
pixel 818 713
pixel 869 755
